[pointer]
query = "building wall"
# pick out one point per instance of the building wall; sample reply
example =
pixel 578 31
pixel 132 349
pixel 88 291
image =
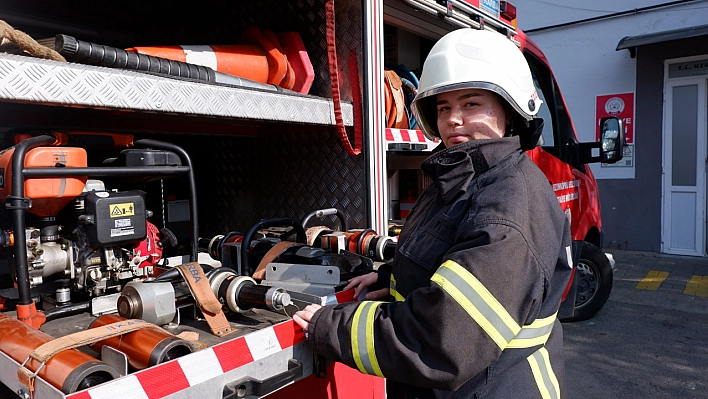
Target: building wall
pixel 586 65
pixel 631 209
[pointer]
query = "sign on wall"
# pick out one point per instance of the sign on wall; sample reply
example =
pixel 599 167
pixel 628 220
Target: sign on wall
pixel 622 106
pixel 688 68
pixel 619 105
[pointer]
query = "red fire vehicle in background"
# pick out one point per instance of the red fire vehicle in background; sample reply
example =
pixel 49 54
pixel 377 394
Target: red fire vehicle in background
pixel 559 155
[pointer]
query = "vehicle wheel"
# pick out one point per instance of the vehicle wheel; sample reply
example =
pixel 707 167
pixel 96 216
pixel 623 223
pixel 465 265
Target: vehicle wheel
pixel 593 279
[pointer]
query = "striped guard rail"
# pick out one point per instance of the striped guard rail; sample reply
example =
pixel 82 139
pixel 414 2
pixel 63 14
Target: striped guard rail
pixel 408 136
pixel 171 377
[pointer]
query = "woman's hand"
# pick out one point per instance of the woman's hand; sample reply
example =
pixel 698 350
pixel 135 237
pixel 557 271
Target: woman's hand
pixel 360 283
pixel 304 316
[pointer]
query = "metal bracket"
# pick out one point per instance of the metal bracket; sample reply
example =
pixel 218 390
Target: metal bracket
pixel 15 202
pixel 115 358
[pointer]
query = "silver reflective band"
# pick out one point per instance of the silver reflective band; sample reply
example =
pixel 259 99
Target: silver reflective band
pixel 536 333
pixel 362 337
pixel 478 302
pixel 543 374
pixel 487 312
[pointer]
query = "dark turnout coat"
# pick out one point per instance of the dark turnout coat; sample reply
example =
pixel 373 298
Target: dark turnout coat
pixel 476 283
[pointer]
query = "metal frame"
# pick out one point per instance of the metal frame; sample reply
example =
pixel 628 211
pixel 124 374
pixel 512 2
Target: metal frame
pixel 701 81
pixel 373 114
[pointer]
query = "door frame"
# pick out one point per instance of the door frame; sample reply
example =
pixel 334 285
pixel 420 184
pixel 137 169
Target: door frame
pixel 702 125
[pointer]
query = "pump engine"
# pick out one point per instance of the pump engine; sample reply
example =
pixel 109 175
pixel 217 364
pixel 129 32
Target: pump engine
pixel 111 242
pixel 98 247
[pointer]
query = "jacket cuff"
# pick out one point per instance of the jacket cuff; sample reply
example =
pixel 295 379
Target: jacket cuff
pixel 318 338
pixel 384 277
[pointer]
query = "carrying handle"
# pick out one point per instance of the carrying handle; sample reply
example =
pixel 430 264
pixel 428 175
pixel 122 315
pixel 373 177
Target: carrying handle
pixel 252 387
pixel 245 267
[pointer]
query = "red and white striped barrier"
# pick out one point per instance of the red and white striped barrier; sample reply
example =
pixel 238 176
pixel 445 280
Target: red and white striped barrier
pixel 182 373
pixel 407 136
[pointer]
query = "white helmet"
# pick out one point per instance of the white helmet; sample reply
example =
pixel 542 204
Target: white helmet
pixel 474 59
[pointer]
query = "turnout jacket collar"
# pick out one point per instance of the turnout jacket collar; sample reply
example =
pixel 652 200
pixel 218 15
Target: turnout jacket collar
pixel 453 169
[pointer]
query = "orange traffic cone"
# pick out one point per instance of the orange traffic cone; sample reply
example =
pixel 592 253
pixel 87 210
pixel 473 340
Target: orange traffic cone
pixel 289 79
pixel 295 50
pixel 267 57
pixel 246 61
pixel 277 62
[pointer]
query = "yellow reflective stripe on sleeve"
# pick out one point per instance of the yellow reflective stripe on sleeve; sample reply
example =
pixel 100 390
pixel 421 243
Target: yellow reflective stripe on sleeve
pixel 477 301
pixel 392 290
pixel 362 334
pixel 536 333
pixel 543 374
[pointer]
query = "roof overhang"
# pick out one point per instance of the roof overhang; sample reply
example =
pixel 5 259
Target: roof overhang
pixel 632 42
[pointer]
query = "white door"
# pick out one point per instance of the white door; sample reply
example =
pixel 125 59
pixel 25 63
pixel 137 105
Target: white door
pixel 684 166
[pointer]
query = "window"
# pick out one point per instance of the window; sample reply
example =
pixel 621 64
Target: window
pixel 547 134
pixel 558 134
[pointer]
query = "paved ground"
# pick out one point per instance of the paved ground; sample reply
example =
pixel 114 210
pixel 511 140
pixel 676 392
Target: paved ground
pixel 669 281
pixel 650 339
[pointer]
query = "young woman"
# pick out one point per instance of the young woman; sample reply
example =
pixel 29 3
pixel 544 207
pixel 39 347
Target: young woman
pixel 483 259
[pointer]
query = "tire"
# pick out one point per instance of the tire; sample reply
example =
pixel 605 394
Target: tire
pixel 593 280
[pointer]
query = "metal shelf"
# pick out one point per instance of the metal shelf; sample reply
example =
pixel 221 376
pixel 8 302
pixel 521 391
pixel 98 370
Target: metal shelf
pixel 44 82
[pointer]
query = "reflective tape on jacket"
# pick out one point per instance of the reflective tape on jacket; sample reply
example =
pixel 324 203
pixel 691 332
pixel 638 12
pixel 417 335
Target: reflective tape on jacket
pixel 362 337
pixel 543 374
pixel 393 292
pixel 486 310
pixel 536 333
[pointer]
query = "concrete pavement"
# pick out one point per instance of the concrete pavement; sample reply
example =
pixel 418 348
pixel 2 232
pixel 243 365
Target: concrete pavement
pixel 667 281
pixel 649 340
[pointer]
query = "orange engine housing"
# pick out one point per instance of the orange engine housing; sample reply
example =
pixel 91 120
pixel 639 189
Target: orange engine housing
pixel 49 195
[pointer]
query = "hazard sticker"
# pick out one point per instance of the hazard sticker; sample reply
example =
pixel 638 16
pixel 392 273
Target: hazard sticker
pixel 122 210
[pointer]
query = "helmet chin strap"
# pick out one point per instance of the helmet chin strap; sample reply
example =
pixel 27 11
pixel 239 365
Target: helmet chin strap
pixel 529 132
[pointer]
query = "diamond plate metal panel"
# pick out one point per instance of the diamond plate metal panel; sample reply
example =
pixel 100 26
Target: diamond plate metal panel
pixel 240 180
pixel 24 79
pixel 243 180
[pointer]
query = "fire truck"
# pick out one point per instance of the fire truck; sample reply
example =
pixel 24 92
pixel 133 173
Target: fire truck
pixel 179 180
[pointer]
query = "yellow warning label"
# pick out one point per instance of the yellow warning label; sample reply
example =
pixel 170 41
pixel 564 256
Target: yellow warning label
pixel 122 210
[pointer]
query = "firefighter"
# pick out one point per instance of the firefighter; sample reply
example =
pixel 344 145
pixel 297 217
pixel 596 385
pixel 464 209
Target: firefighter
pixel 483 259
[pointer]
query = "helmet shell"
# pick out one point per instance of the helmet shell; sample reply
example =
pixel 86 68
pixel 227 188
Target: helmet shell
pixel 474 59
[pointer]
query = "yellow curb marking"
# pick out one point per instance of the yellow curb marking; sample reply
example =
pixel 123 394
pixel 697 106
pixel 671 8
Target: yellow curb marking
pixel 652 280
pixel 697 286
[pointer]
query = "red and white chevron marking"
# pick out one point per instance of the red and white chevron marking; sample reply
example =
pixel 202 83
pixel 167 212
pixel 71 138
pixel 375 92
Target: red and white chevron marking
pixel 407 136
pixel 179 374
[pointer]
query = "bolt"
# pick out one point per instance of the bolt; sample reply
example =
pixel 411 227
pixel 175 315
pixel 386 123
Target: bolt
pixel 23 394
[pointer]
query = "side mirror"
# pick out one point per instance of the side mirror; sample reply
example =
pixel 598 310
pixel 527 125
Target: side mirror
pixel 609 149
pixel 611 139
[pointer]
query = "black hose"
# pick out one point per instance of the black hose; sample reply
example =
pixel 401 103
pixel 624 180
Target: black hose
pixel 98 54
pixel 174 274
pixel 17 204
pixel 89 53
pixel 67 310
